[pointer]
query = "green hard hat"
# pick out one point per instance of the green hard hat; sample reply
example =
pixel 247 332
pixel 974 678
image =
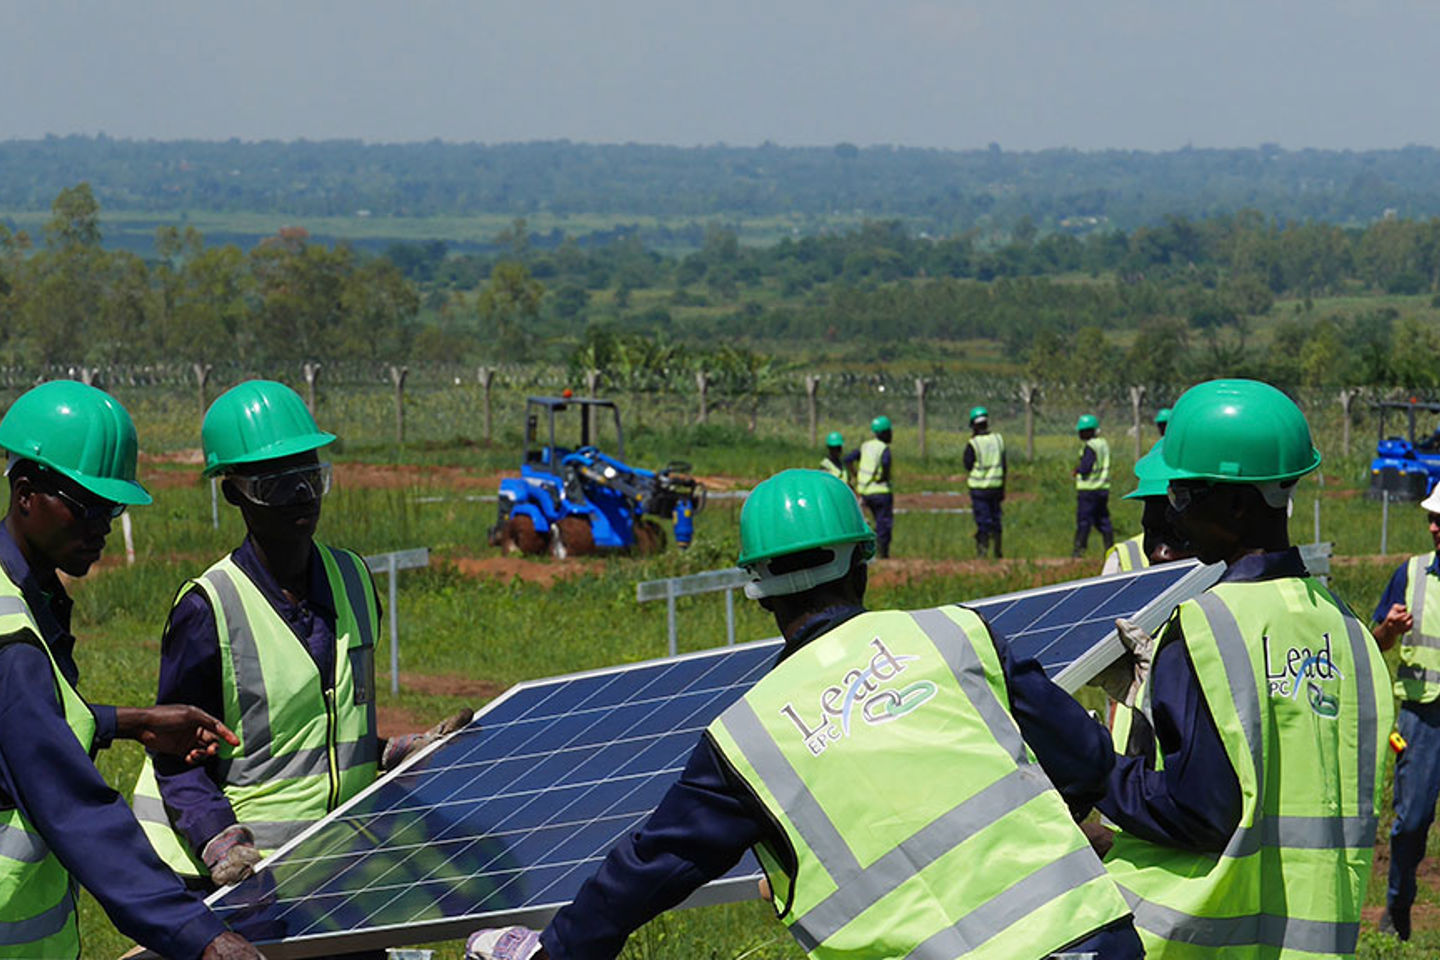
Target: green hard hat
pixel 1162 416
pixel 80 432
pixel 1151 473
pixel 833 439
pixel 257 420
pixel 799 510
pixel 1237 431
pixel 880 424
pixel 979 413
pixel 1087 421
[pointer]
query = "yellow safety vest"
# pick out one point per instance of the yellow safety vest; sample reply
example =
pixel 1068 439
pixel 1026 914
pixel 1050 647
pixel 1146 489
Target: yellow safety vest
pixel 832 468
pixel 303 750
pixel 917 822
pixel 1126 555
pixel 1418 677
pixel 1299 694
pixel 989 470
pixel 37 893
pixel 868 480
pixel 1099 476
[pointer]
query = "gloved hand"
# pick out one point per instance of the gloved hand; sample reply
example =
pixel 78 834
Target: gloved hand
pixel 509 943
pixel 398 748
pixel 1123 678
pixel 230 855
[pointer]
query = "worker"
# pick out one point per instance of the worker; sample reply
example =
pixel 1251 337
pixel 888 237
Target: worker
pixel 71 469
pixel 1158 541
pixel 905 818
pixel 985 462
pixel 872 481
pixel 1092 486
pixel 283 622
pixel 833 462
pixel 1162 419
pixel 1412 594
pixel 1247 825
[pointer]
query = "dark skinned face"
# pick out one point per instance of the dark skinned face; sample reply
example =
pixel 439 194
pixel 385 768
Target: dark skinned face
pixel 58 524
pixel 292 523
pixel 1212 521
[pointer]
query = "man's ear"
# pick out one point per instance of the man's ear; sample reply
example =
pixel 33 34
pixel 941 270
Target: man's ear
pixel 22 494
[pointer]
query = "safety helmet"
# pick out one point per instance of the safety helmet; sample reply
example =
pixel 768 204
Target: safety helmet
pixel 1162 416
pixel 880 424
pixel 1087 421
pixel 257 420
pixel 80 432
pixel 833 439
pixel 1150 472
pixel 1237 431
pixel 795 511
pixel 979 413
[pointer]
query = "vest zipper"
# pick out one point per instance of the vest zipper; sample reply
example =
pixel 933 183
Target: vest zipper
pixel 330 748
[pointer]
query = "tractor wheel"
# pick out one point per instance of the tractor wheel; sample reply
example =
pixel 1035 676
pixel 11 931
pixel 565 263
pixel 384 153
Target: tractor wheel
pixel 573 538
pixel 522 533
pixel 649 537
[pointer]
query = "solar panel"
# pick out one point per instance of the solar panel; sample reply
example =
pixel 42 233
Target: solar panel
pixel 503 821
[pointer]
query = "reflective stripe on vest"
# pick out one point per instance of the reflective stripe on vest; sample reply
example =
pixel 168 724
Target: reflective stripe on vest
pixel 37 893
pixel 869 478
pixel 989 470
pixel 303 750
pixel 1126 555
pixel 1285 882
pixel 1099 476
pixel 852 882
pixel 1417 678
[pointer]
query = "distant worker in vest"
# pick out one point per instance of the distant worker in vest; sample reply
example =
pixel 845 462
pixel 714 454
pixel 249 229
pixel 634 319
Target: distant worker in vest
pixel 283 621
pixel 72 456
pixel 913 816
pixel 1247 826
pixel 1412 595
pixel 833 462
pixel 1162 419
pixel 872 482
pixel 1158 541
pixel 1092 486
pixel 985 462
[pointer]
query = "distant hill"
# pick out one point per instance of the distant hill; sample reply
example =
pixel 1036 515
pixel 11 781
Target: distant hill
pixel 935 190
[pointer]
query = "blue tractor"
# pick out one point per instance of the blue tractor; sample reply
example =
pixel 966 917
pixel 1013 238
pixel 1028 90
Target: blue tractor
pixel 572 500
pixel 1406 468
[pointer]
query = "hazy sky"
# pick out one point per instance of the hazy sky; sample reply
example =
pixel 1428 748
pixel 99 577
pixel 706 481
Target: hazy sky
pixel 942 73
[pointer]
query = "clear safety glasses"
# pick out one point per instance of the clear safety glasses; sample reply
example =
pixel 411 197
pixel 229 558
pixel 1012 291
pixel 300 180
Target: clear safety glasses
pixel 89 513
pixel 1183 495
pixel 285 487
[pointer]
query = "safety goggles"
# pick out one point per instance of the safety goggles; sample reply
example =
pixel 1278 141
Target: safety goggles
pixel 284 488
pixel 91 513
pixel 1183 496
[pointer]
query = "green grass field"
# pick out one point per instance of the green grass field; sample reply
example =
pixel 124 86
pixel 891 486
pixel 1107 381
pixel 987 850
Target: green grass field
pixel 491 633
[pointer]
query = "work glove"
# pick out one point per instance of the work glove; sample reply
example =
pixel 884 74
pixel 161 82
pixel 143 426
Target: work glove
pixel 508 943
pixel 398 748
pixel 230 856
pixel 1123 678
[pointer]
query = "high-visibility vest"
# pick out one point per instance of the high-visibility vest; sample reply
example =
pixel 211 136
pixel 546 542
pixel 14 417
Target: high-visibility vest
pixel 1418 676
pixel 303 750
pixel 1099 476
pixel 915 819
pixel 1300 696
pixel 989 470
pixel 832 468
pixel 869 479
pixel 37 893
pixel 1126 555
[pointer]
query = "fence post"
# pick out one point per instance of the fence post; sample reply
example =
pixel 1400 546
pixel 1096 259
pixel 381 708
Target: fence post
pixel 1385 523
pixel 312 374
pixel 1029 393
pixel 670 614
pixel 920 385
pixel 730 617
pixel 1347 397
pixel 394 572
pixel 202 375
pixel 702 383
pixel 812 383
pixel 87 375
pixel 397 377
pixel 486 376
pixel 214 502
pixel 592 383
pixel 1137 394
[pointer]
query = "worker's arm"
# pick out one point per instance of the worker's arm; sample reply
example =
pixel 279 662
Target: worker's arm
pixel 1087 461
pixel 47 774
pixel 1073 750
pixel 1391 619
pixel 701 828
pixel 190 673
pixel 1194 803
pixel 969 456
pixel 885 465
pixel 852 457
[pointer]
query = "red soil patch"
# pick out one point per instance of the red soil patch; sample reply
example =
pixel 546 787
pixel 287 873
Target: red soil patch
pixel 392 721
pixel 163 471
pixel 543 572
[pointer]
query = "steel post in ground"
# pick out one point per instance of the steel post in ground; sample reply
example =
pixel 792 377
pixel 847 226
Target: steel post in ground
pixel 730 617
pixel 394 572
pixel 670 614
pixel 1317 519
pixel 215 502
pixel 1385 523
